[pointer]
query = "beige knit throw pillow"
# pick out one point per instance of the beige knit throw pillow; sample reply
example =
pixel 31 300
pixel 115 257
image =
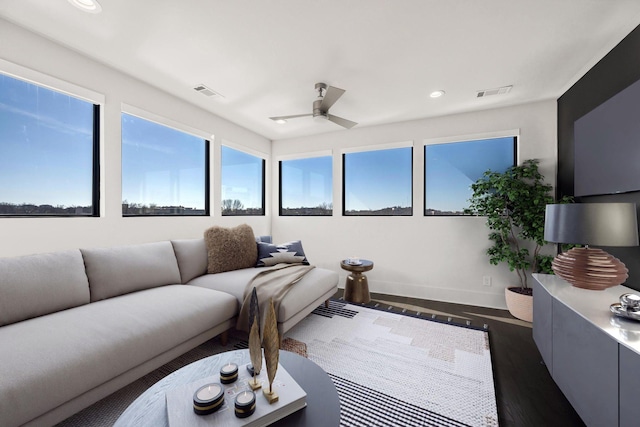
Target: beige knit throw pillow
pixel 230 248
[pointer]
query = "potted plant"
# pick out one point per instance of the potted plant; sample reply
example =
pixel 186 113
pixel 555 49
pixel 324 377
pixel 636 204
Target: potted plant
pixel 514 203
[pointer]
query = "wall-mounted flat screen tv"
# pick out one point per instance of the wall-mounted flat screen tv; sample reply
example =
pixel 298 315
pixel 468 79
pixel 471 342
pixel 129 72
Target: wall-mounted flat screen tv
pixel 607 146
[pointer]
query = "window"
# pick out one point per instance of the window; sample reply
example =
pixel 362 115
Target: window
pixel 378 182
pixel 242 183
pixel 164 171
pixel 48 152
pixel 306 186
pixel 451 168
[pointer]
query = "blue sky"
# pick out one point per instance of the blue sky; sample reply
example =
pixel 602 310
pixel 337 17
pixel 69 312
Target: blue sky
pixel 307 182
pixel 382 178
pixel 45 146
pixel 161 165
pixel 451 168
pixel 378 179
pixel 242 177
pixel 46 158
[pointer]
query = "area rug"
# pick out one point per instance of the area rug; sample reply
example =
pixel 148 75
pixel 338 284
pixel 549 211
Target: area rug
pixel 389 369
pixel 397 370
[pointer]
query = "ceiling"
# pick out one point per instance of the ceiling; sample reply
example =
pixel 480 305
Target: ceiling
pixel 265 56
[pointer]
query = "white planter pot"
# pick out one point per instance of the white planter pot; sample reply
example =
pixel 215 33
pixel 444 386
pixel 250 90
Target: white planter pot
pixel 520 305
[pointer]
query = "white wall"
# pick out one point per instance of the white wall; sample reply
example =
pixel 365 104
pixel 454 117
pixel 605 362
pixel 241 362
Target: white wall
pixel 31 235
pixel 440 258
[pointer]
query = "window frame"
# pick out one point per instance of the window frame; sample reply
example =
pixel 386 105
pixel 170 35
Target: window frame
pixel 97 100
pixel 245 150
pixel 509 134
pixel 176 126
pixel 380 147
pixel 301 157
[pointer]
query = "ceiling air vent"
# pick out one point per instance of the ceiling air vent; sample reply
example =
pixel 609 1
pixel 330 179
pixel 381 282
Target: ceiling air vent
pixel 205 90
pixel 497 91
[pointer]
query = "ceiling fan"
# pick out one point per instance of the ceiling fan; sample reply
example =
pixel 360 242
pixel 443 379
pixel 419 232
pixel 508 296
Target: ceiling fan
pixel 327 96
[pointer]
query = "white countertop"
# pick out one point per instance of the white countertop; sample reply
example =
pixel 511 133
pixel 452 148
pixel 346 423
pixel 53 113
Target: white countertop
pixel 594 307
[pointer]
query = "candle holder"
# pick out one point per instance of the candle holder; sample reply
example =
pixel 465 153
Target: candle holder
pixel 245 404
pixel 208 399
pixel 229 373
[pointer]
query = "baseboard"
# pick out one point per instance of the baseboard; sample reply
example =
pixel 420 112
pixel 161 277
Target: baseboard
pixel 456 296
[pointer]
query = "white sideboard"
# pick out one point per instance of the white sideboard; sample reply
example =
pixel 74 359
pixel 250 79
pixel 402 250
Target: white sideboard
pixel 592 355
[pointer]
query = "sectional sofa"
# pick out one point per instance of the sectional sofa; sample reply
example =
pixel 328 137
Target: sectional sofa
pixel 77 325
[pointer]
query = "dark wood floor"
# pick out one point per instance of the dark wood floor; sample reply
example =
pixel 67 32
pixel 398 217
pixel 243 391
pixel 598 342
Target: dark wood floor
pixel 525 392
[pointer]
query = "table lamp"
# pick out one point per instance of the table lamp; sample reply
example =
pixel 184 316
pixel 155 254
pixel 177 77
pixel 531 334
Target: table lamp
pixel 599 224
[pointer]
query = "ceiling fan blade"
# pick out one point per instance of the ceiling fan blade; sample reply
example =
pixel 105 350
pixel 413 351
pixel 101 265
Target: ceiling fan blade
pixel 290 117
pixel 340 121
pixel 330 97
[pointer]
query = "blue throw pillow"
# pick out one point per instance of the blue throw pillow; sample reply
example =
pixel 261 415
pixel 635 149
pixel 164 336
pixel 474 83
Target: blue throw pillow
pixel 289 253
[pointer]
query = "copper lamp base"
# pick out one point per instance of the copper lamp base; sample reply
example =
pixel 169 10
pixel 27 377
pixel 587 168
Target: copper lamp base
pixel 589 268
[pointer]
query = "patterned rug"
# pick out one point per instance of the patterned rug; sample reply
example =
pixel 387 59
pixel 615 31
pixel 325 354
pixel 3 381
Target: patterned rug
pixel 389 369
pixel 398 370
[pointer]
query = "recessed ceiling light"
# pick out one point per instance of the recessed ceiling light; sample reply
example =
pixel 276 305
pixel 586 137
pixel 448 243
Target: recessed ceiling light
pixel 436 93
pixel 280 121
pixel 91 6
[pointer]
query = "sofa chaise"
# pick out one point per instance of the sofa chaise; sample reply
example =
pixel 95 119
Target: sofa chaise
pixel 77 325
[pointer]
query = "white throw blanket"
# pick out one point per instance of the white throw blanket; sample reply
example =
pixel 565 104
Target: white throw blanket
pixel 271 283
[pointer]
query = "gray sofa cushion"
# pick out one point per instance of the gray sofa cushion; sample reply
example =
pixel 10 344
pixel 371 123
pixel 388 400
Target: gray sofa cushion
pixel 313 285
pixel 35 285
pixel 230 282
pixel 192 257
pixel 62 355
pixel 123 269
